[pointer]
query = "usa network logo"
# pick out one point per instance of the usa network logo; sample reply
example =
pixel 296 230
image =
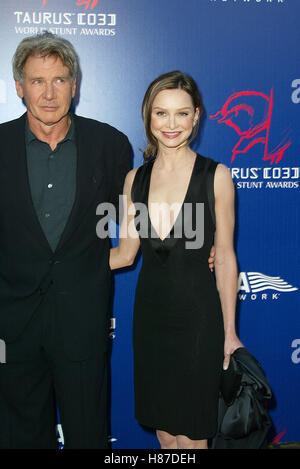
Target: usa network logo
pixel 88 4
pixel 261 286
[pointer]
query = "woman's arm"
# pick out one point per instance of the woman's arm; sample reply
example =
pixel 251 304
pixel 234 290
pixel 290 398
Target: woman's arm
pixel 225 260
pixel 124 254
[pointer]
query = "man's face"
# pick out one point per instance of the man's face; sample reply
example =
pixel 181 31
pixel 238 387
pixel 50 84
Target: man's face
pixel 47 89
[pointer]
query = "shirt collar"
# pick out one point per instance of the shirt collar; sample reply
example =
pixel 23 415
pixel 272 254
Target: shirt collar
pixel 30 137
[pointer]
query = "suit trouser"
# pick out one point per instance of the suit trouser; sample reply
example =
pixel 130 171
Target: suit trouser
pixel 37 377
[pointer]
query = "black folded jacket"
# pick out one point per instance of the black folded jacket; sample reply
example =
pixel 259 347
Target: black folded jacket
pixel 243 421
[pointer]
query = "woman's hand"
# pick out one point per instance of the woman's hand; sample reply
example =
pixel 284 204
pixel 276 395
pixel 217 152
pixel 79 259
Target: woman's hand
pixel 232 342
pixel 211 259
pixel 124 254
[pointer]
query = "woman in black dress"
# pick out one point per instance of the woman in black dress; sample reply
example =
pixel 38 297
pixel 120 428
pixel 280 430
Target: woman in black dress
pixel 178 204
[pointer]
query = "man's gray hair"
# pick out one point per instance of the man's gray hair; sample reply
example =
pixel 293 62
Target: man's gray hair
pixel 44 45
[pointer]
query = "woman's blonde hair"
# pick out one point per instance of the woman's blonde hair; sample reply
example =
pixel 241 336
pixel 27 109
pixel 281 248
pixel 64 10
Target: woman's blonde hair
pixel 168 81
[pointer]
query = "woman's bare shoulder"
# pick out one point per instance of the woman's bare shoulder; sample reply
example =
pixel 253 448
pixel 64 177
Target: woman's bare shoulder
pixel 222 170
pixel 131 175
pixel 129 180
pixel 223 179
pixel 223 173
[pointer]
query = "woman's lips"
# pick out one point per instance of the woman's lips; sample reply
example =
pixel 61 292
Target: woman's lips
pixel 171 134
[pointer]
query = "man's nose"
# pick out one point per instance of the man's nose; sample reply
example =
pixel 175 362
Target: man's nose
pixel 49 91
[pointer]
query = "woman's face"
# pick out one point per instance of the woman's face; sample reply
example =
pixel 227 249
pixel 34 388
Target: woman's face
pixel 173 117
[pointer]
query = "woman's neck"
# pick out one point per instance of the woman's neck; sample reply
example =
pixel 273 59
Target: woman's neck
pixel 174 158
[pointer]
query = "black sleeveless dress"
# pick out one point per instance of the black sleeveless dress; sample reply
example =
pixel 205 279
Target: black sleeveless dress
pixel 178 333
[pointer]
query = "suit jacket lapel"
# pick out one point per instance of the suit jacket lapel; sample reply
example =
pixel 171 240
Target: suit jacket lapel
pixel 23 199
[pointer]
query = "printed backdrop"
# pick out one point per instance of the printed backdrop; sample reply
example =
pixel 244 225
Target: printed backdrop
pixel 244 56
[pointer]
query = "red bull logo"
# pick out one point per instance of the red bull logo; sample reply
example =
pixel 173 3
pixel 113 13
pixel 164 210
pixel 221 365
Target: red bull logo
pixel 249 114
pixel 88 4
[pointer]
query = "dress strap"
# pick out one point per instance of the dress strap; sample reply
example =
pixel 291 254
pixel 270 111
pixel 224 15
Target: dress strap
pixel 206 168
pixel 139 189
pixel 210 179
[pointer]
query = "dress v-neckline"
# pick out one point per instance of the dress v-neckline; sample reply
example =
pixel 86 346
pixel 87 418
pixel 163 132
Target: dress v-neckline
pixel 181 207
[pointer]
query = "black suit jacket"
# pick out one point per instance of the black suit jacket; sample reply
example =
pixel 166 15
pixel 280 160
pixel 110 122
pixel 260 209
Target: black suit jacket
pixel 77 274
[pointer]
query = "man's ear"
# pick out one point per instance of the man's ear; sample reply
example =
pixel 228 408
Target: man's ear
pixel 74 87
pixel 19 89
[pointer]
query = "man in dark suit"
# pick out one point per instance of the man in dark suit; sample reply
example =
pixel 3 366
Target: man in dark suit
pixel 55 282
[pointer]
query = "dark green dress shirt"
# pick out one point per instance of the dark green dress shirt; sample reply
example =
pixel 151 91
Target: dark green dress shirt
pixel 52 179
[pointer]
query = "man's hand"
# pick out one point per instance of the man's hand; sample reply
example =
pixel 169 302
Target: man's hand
pixel 211 259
